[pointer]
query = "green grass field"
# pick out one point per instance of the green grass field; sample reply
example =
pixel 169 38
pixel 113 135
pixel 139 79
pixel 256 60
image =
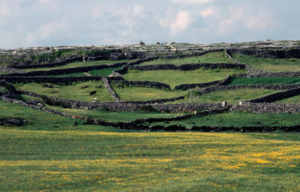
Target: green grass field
pixel 265 80
pixel 3 73
pixel 295 99
pixel 231 96
pixel 214 57
pixel 73 92
pixel 268 64
pixel 238 119
pixel 102 72
pixel 145 94
pixel 115 116
pixel 50 154
pixel 81 64
pixel 174 77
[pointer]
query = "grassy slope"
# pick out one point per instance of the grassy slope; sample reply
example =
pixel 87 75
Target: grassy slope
pixel 216 57
pixel 115 116
pixel 80 64
pixel 173 77
pixel 239 119
pixel 50 155
pixel 265 80
pixel 268 64
pixel 102 72
pixel 110 161
pixel 73 92
pixel 145 94
pixel 295 99
pixel 231 96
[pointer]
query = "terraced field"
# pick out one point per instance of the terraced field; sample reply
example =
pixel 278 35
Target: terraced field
pixel 268 64
pixel 80 64
pixel 174 77
pixel 214 57
pixel 48 146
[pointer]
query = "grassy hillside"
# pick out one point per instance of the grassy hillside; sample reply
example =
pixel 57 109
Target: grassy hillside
pixel 238 119
pixel 265 80
pixel 268 64
pixel 174 77
pixel 231 96
pixel 145 94
pixel 74 92
pixel 81 64
pixel 214 57
pixel 295 99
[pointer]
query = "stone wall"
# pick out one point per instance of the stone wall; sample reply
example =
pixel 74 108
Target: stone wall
pixel 10 70
pixel 111 91
pixel 235 87
pixel 68 71
pixel 132 106
pixel 191 86
pixel 55 80
pixel 141 84
pixel 269 74
pixel 276 96
pixel 276 54
pixel 49 64
pixel 267 107
pixel 185 67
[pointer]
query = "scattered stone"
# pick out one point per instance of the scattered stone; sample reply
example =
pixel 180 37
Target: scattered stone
pixel 99 86
pixel 84 87
pixel 48 85
pixel 93 93
pixel 75 123
pixel 224 104
pixel 17 122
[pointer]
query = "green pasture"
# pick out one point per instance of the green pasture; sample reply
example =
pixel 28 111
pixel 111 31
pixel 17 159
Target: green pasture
pixel 238 119
pixel 214 57
pixel 174 77
pixel 294 100
pixel 265 80
pixel 80 64
pixel 269 64
pixel 112 116
pixel 145 94
pixel 231 96
pixel 73 92
pixel 101 72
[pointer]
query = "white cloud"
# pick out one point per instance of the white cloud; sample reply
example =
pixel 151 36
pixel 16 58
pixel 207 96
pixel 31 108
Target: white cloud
pixel 181 23
pixel 137 10
pixel 192 1
pixel 207 12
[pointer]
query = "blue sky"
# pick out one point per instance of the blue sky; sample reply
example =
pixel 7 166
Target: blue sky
pixel 26 23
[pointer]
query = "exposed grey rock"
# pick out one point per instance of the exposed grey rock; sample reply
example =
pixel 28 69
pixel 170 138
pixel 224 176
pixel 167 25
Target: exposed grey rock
pixel 17 122
pixel 48 85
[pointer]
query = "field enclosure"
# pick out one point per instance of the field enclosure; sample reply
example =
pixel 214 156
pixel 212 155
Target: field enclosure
pixel 116 128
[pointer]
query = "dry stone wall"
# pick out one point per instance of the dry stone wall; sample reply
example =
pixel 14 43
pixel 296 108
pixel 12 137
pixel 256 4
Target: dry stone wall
pixel 186 67
pixel 277 96
pixel 236 87
pixel 191 86
pixel 267 107
pixel 55 80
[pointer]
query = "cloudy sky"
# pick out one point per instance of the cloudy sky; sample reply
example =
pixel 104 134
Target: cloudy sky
pixel 26 23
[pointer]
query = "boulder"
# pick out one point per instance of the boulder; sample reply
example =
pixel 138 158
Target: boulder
pixel 17 122
pixel 48 85
pixel 99 86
